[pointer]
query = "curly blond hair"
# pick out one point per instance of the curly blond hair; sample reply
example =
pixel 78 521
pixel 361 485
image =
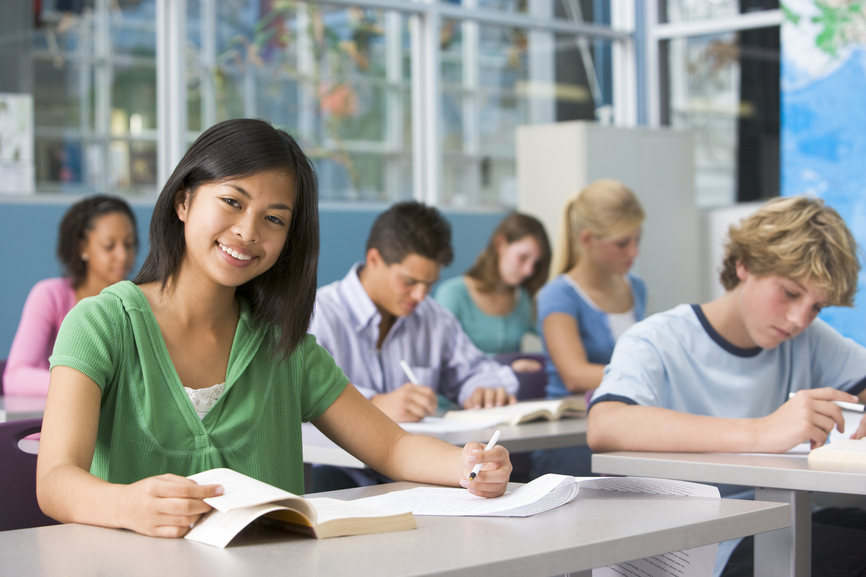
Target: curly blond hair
pixel 799 238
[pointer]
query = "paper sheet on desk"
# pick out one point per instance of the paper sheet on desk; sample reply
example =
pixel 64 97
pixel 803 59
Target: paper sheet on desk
pixel 544 493
pixel 697 562
pixel 431 425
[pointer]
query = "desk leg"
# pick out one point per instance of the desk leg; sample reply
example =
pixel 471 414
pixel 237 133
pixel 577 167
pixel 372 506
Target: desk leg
pixel 308 477
pixel 788 551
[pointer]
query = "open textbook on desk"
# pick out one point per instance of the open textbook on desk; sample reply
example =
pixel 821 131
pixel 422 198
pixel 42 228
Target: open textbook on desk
pixel 522 412
pixel 247 500
pixel 841 452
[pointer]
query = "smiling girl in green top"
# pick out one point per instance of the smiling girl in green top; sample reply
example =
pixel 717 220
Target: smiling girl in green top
pixel 203 360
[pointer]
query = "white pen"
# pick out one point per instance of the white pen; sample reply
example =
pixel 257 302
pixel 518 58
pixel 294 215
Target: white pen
pixel 409 374
pixel 490 445
pixel 842 404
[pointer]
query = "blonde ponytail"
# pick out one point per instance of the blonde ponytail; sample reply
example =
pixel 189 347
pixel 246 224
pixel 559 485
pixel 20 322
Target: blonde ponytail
pixel 605 208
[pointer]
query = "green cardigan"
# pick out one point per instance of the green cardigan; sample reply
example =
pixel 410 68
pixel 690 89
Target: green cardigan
pixel 147 424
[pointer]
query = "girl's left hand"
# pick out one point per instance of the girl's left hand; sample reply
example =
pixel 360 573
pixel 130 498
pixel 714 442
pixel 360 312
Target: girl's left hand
pixel 492 480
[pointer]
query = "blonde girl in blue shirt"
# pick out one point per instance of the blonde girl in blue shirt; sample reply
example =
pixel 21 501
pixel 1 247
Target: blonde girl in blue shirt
pixel 234 248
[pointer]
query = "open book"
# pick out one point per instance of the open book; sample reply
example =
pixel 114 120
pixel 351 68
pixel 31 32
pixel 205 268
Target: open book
pixel 843 451
pixel 523 412
pixel 247 500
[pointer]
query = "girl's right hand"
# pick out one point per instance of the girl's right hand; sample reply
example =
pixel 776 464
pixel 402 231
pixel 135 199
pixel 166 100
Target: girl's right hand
pixel 167 505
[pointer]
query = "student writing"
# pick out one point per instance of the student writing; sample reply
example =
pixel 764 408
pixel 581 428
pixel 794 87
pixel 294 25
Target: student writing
pixel 381 313
pixel 222 304
pixel 716 377
pixel 494 299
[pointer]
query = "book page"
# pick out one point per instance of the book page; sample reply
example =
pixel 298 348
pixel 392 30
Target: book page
pixel 648 485
pixel 697 562
pixel 508 413
pixel 240 490
pixel 328 509
pixel 432 425
pixel 218 529
pixel 850 451
pixel 545 493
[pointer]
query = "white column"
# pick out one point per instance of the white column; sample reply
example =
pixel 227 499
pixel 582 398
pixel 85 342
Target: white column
pixel 623 65
pixel 426 146
pixel 541 93
pixel 208 63
pixel 170 86
pixel 471 175
pixel 394 110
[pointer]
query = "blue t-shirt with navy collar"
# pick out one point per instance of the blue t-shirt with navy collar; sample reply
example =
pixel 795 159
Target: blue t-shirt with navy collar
pixel 677 360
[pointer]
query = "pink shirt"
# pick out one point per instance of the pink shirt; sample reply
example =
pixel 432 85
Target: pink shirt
pixel 27 366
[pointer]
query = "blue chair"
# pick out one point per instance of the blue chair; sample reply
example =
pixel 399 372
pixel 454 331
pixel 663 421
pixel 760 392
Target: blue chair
pixel 532 384
pixel 18 506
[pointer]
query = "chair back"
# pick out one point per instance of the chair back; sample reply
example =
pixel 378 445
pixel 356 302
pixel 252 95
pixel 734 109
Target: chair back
pixel 532 384
pixel 18 506
pixel 2 370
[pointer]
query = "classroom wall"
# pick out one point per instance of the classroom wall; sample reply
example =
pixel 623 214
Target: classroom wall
pixel 28 233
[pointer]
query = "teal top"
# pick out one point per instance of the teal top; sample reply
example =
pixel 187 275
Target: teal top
pixel 147 424
pixel 492 334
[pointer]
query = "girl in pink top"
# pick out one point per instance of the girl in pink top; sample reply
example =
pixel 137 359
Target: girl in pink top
pixel 96 245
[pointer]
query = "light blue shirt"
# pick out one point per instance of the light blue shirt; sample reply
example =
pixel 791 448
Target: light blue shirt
pixel 561 296
pixel 490 333
pixel 677 360
pixel 346 322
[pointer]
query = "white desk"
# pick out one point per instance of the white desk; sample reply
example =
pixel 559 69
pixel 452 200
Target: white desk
pixel 576 537
pixel 320 450
pixel 14 408
pixel 781 478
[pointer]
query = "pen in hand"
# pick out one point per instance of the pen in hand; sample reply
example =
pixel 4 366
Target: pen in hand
pixel 490 445
pixel 841 404
pixel 409 374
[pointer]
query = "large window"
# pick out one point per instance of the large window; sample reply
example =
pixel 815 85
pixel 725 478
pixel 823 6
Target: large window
pixel 392 100
pixel 89 66
pixel 718 75
pixel 337 78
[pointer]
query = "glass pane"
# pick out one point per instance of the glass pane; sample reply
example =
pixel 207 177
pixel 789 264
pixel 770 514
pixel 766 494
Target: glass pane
pixel 685 10
pixel 726 89
pixel 91 69
pixel 336 78
pixel 133 29
pixel 495 79
pixel 595 11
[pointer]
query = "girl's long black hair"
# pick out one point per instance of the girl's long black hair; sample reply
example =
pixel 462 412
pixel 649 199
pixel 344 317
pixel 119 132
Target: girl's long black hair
pixel 284 295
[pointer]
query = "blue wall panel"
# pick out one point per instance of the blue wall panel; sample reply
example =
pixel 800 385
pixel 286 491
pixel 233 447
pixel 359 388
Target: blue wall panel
pixel 28 233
